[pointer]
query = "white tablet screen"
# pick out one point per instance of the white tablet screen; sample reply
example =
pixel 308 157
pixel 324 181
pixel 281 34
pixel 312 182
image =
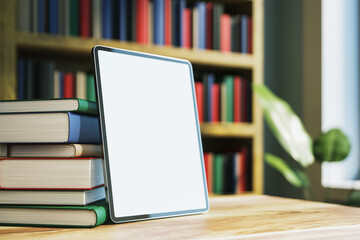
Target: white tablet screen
pixel 151 135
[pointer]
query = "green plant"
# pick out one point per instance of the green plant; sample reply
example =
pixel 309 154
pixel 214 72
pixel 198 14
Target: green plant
pixel 293 137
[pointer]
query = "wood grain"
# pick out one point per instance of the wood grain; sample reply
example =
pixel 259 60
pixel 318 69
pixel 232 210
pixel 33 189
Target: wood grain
pixel 230 217
pixel 226 129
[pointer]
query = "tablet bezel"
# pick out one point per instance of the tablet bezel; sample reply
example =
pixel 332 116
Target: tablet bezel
pixel 109 193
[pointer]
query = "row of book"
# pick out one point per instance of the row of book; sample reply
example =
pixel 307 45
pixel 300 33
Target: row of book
pixel 228 173
pixel 225 98
pixel 41 80
pixel 199 25
pixel 51 171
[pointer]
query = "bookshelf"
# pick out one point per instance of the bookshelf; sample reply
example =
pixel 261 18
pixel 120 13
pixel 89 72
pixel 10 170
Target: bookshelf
pixel 14 42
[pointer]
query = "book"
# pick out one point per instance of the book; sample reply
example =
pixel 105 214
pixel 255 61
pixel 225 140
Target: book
pixel 235 35
pixel 51 105
pixel 81 85
pixel 218 11
pixel 168 23
pixel 208 162
pixel 85 18
pixel 57 84
pixel 54 216
pixel 186 28
pixel 209 25
pixel 215 102
pixel 199 92
pixel 195 28
pixel 223 102
pixel 244 32
pixel 241 169
pixel 96 17
pixel 34 16
pixel 249 35
pixel 21 78
pixel 41 16
pixel 123 18
pixel 46 79
pixel 229 174
pixel 51 173
pixel 132 21
pixel 29 82
pixel 159 22
pixel 237 99
pixel 106 20
pixel 67 27
pixel 225 33
pixel 142 12
pixel 69 85
pixel 90 88
pixel 61 17
pixel 151 22
pixel 229 82
pixel 62 127
pixel 201 6
pixel 52 197
pixel 218 173
pixel 245 100
pixel 24 16
pixel 53 16
pixel 74 17
pixel 208 82
pixel 55 150
pixel 175 23
pixel 182 6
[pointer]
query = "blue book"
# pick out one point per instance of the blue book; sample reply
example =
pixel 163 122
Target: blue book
pixel 123 12
pixel 201 6
pixel 208 80
pixel 49 127
pixel 106 19
pixel 175 23
pixel 244 34
pixel 21 79
pixel 41 16
pixel 182 7
pixel 159 22
pixel 53 17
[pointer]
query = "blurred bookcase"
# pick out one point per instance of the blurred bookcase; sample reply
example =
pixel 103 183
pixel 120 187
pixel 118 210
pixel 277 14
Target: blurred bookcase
pixel 14 43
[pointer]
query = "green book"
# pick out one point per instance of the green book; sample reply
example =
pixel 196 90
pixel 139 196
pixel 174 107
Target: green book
pixel 218 10
pixel 74 17
pixel 229 82
pixel 218 172
pixel 90 91
pixel 49 105
pixel 54 216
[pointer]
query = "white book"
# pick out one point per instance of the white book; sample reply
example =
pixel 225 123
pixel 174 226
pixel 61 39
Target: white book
pixel 81 85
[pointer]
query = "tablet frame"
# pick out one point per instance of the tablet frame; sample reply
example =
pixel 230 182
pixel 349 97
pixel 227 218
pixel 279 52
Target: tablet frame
pixel 109 194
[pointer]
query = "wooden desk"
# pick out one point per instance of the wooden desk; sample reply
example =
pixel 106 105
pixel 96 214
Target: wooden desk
pixel 230 217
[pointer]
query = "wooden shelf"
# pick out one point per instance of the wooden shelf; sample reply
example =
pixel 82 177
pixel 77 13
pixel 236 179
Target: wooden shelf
pixel 223 129
pixel 82 47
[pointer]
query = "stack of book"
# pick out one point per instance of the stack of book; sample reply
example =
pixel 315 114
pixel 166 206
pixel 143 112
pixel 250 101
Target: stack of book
pixel 51 171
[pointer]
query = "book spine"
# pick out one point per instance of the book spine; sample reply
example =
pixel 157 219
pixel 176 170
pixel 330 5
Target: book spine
pixel 69 85
pixel 57 84
pixel 229 81
pixel 168 23
pixel 218 170
pixel 209 25
pixel 41 16
pixel 90 91
pixel 209 97
pixel 81 85
pixel 53 16
pixel 74 17
pixel 175 23
pixel 229 174
pixel 142 21
pixel 187 28
pixel 218 10
pixel 85 19
pixel 79 126
pixel 29 83
pixel 102 215
pixel 46 79
pixel 215 102
pixel 202 24
pixel 195 28
pixel 67 23
pixel 87 107
pixel 34 16
pixel 96 16
pixel 182 6
pixel 23 16
pixel 133 20
pixel 237 99
pixel 199 92
pixel 106 19
pixel 225 33
pixel 123 20
pixel 159 24
pixel 250 35
pixel 21 79
pixel 244 25
pixel 61 17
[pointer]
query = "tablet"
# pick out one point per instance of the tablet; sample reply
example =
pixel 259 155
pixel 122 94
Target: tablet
pixel 151 136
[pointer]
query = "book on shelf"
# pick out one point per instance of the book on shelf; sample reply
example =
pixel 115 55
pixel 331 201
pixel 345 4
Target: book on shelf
pixel 127 20
pixel 58 127
pixel 51 173
pixel 54 216
pixel 52 197
pixel 49 105
pixel 54 150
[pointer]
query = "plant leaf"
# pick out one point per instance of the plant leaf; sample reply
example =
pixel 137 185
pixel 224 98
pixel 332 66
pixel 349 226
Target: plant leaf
pixel 332 146
pixel 285 125
pixel 294 176
pixel 354 199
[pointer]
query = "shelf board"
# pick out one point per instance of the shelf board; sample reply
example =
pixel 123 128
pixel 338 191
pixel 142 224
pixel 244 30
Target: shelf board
pixel 223 129
pixel 81 47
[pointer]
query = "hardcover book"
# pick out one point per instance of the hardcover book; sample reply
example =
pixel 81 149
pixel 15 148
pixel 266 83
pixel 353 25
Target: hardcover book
pixel 51 173
pixel 63 127
pixel 54 216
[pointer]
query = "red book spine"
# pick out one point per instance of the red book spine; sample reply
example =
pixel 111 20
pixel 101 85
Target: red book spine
pixel 209 25
pixel 225 33
pixel 250 35
pixel 215 102
pixel 142 26
pixel 168 22
pixel 237 99
pixel 187 28
pixel 244 100
pixel 85 21
pixel 69 85
pixel 206 163
pixel 242 165
pixel 199 92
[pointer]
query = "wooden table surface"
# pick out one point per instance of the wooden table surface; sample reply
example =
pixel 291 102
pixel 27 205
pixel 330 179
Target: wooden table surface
pixel 230 217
